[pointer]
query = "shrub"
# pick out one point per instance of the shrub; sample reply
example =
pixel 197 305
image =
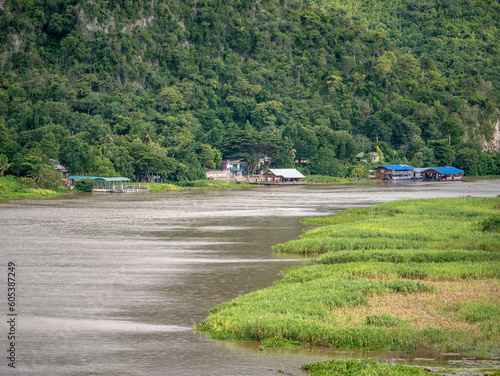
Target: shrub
pixel 84 185
pixel 492 224
pixel 383 320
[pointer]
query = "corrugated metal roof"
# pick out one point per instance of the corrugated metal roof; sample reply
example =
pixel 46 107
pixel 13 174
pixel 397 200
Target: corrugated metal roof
pixel 78 177
pixel 112 179
pixel 397 167
pixel 447 170
pixel 288 173
pixel 421 169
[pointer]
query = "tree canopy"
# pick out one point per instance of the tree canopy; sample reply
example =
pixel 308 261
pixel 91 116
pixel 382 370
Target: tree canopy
pixel 171 87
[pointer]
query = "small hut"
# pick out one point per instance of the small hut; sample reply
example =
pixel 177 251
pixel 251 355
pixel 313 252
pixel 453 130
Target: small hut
pixel 283 176
pixel 62 170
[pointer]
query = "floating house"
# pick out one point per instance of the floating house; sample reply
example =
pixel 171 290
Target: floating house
pixel 418 171
pixel 395 172
pixel 283 176
pixel 111 185
pixel 442 173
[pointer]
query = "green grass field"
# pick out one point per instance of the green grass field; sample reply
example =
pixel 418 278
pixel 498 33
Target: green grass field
pixel 414 274
pixel 359 368
pixel 411 224
pixel 12 188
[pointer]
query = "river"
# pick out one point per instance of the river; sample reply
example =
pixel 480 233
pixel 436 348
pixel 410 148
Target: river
pixel 112 284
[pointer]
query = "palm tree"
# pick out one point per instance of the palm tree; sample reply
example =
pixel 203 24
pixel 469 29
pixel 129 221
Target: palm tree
pixel 147 134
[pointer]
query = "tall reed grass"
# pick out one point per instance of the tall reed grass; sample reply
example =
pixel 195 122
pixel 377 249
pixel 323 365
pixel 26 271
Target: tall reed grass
pixel 408 255
pixel 450 271
pixel 411 224
pixel 366 367
pixel 347 215
pixel 432 258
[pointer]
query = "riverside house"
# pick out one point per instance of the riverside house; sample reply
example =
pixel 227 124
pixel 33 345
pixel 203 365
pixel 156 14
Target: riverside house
pixel 395 172
pixel 62 170
pixel 405 172
pixel 442 173
pixel 283 176
pixel 371 157
pixel 235 166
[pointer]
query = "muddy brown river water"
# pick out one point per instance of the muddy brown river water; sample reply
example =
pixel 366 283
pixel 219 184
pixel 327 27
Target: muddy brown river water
pixel 112 284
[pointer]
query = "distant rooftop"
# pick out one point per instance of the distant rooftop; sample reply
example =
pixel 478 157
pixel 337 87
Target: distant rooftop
pixel 398 167
pixel 57 166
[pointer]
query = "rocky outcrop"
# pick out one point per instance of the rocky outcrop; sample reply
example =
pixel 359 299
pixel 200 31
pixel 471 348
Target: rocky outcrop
pixel 492 145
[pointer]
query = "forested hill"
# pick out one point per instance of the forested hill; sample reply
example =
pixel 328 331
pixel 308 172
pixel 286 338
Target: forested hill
pixel 459 36
pixel 128 88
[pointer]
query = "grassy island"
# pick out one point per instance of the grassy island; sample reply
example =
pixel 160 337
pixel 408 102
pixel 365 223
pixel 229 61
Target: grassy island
pixel 413 274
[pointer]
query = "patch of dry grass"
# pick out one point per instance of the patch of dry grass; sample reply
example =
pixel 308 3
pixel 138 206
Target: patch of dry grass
pixel 437 309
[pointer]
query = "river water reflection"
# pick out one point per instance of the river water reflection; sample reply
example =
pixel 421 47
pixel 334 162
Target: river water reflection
pixel 112 284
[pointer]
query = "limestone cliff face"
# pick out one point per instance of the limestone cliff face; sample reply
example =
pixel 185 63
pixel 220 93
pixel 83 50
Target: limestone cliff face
pixel 492 145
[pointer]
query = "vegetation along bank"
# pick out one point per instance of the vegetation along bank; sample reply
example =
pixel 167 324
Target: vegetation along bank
pixel 14 188
pixel 141 89
pixel 408 275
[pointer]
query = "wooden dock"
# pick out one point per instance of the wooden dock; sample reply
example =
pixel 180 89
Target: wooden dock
pixel 120 188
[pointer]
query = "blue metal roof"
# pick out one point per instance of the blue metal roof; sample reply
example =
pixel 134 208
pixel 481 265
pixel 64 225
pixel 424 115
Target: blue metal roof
pixel 112 179
pixel 421 169
pixel 78 177
pixel 447 170
pixel 397 167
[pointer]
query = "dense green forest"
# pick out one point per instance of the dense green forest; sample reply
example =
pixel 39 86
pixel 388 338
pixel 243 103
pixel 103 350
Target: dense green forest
pixel 131 88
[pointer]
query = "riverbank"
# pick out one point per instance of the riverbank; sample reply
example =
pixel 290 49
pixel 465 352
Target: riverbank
pixel 369 367
pixel 197 184
pixel 11 189
pixel 477 178
pixel 323 179
pixel 408 275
